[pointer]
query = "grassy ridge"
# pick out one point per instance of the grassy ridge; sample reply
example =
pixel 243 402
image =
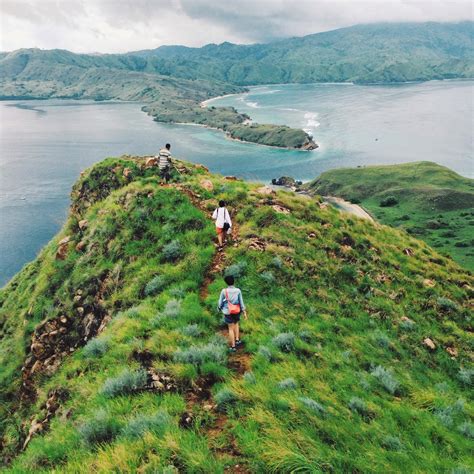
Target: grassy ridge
pixel 431 202
pixel 338 377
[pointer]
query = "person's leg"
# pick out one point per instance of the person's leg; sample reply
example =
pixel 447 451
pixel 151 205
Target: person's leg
pixel 219 237
pixel 237 332
pixel 231 327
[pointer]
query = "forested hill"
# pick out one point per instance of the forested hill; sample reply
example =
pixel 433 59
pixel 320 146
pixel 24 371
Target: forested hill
pixel 364 53
pixel 386 52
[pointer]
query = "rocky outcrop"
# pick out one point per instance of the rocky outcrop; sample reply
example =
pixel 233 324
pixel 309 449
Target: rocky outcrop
pixel 309 145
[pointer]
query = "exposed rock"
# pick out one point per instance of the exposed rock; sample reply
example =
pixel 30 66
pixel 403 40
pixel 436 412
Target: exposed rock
pixel 257 244
pixel 83 224
pixel 127 173
pixel 230 178
pixel 409 252
pixel 310 144
pixel 429 283
pixel 312 235
pixel 150 162
pixel 63 247
pixel 405 319
pixel 80 246
pixel 429 343
pixel 281 209
pixel 266 190
pixel 207 184
pixel 286 181
pixel 452 351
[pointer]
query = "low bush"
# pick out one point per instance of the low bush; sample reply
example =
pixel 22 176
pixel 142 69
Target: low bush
pixel 192 330
pixel 95 348
pixel 155 285
pixel 102 428
pixel 268 278
pixel 199 355
pixel 407 325
pixel 265 352
pixel 359 406
pixel 157 423
pixel 386 379
pixel 128 381
pixel 225 398
pixel 287 384
pixel 392 443
pixel 446 305
pixel 313 406
pixel 249 378
pixel 389 201
pixel 466 376
pixel 277 263
pixel 172 309
pixel 467 429
pixel 285 341
pixel 172 251
pixel 237 270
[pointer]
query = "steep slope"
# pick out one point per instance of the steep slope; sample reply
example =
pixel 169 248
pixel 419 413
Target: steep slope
pixel 125 368
pixel 425 199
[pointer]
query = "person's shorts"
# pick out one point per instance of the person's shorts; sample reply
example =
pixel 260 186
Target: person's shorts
pixel 231 318
pixel 220 230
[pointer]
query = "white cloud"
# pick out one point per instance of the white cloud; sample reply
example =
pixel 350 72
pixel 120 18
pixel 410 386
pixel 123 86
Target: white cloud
pixel 126 25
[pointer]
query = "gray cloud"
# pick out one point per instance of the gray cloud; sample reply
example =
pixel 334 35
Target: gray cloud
pixel 125 25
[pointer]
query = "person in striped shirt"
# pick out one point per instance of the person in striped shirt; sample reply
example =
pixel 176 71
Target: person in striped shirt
pixel 164 162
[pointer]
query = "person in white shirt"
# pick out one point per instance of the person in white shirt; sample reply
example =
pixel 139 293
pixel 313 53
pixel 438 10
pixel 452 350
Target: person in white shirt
pixel 164 162
pixel 223 223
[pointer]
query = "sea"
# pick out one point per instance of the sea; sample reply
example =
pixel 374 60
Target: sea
pixel 44 145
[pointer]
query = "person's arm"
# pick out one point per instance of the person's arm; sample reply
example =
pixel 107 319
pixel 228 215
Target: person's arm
pixel 228 217
pixel 214 214
pixel 242 305
pixel 220 303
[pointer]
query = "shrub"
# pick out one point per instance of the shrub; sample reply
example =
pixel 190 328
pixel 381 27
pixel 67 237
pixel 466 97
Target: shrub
pixel 313 405
pixel 349 272
pixel 95 348
pixel 102 428
pixel 156 423
pixel 172 251
pixel 249 378
pixel 466 376
pixel 407 325
pixel 359 406
pixel 381 339
pixel 172 309
pixel 155 285
pixel 236 270
pixel 287 384
pixel 277 262
pixel 225 398
pixel 446 305
pixel 386 379
pixel 268 278
pixel 128 381
pixel 392 443
pixel 446 415
pixel 192 330
pixel 389 201
pixel 199 355
pixel 285 341
pixel 305 336
pixel 265 352
pixel 467 429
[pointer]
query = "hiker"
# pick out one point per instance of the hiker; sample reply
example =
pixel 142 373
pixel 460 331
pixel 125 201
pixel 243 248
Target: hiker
pixel 223 223
pixel 164 162
pixel 232 306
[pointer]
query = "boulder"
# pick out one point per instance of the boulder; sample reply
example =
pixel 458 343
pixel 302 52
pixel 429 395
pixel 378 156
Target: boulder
pixel 280 209
pixel 429 343
pixel 151 161
pixel 80 246
pixel 452 351
pixel 231 178
pixel 429 283
pixel 63 244
pixel 127 173
pixel 207 184
pixel 83 224
pixel 266 190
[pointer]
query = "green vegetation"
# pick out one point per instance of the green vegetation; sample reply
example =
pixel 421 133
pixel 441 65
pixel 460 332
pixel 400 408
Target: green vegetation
pixel 331 376
pixel 426 199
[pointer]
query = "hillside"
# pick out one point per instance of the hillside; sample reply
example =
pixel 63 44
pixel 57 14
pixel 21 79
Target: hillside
pixel 386 52
pixel 427 200
pixel 357 355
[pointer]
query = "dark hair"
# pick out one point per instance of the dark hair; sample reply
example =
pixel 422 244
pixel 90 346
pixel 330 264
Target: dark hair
pixel 168 146
pixel 221 203
pixel 229 279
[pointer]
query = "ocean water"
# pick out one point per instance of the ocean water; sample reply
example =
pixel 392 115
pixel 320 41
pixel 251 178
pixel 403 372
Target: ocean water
pixel 44 145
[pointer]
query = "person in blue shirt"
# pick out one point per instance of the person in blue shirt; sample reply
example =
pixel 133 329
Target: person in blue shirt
pixel 230 300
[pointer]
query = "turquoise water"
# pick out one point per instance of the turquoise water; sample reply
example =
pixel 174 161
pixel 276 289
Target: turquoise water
pixel 44 145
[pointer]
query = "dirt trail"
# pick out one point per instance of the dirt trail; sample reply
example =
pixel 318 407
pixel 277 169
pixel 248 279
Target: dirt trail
pixel 199 397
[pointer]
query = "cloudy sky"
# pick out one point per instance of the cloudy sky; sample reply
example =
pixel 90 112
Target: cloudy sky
pixel 127 25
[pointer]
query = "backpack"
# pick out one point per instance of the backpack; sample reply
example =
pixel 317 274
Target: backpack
pixel 233 308
pixel 226 224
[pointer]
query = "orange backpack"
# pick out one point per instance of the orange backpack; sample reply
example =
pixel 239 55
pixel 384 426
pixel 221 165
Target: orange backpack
pixel 233 308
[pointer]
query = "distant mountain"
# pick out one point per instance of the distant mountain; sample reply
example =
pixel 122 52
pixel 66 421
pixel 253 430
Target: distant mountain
pixel 385 52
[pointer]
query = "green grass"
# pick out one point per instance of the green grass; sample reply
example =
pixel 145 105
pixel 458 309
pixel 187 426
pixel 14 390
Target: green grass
pixel 430 202
pixel 335 383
